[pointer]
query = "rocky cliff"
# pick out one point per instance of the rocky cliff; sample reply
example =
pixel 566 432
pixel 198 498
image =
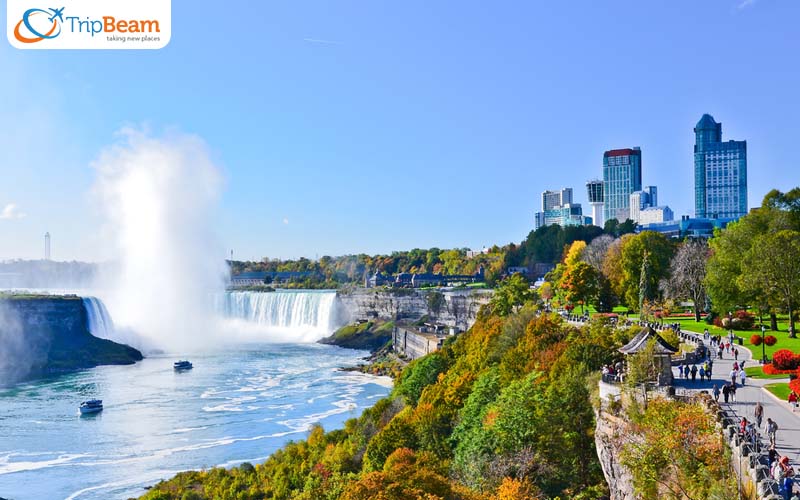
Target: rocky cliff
pixel 457 308
pixel 42 335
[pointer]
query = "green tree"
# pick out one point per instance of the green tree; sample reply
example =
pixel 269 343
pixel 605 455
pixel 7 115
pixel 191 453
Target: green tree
pixel 659 250
pixel 774 263
pixel 512 293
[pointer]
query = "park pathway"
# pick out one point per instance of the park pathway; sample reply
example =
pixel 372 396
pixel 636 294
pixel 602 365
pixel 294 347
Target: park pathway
pixel 788 435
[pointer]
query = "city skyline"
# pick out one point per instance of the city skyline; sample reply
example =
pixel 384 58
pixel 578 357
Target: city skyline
pixel 384 141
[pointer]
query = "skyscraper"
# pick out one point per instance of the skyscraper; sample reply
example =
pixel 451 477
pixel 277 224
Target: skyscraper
pixel 720 173
pixel 594 189
pixel 553 199
pixel 622 175
pixel 558 208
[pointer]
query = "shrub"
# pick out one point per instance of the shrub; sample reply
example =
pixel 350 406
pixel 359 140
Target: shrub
pixel 712 318
pixel 794 385
pixel 755 340
pixel 770 369
pixel 784 359
pixel 770 340
pixel 718 321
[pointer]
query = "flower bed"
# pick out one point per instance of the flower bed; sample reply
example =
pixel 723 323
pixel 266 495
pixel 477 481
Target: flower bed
pixel 784 359
pixel 770 369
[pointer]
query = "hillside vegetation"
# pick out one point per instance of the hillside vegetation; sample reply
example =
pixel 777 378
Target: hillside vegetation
pixel 502 411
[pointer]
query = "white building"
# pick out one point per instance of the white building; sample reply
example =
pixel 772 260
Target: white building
pixel 650 215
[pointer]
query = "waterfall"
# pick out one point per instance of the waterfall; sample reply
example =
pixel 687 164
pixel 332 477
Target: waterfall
pixel 100 323
pixel 306 315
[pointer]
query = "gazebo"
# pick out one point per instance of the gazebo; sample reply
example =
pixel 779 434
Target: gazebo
pixel 662 353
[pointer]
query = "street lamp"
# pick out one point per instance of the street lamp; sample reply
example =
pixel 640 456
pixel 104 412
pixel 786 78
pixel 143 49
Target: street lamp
pixel 763 345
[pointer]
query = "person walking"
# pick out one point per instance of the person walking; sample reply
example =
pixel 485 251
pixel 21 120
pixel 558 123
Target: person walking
pixel 726 392
pixel 786 477
pixel 694 373
pixel 759 414
pixel 772 430
pixel 742 376
pixel 710 367
pixel 733 376
pixel 735 353
pixel 715 392
pixel 733 392
pixel 702 374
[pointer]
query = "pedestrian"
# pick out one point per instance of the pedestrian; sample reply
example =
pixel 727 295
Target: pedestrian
pixel 772 430
pixel 735 353
pixel 792 400
pixel 726 392
pixel 735 365
pixel 786 475
pixel 685 371
pixel 733 374
pixel 710 367
pixel 733 392
pixel 694 373
pixel 680 371
pixel 719 352
pixel 741 364
pixel 702 374
pixel 742 376
pixel 759 414
pixel 715 392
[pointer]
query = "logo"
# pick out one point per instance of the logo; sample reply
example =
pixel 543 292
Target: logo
pixel 31 16
pixel 89 24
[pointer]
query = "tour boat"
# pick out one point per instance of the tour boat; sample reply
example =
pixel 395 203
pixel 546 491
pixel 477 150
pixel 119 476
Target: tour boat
pixel 182 365
pixel 91 406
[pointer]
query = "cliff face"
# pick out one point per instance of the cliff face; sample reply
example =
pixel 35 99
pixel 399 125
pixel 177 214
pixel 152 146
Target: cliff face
pixel 607 440
pixel 45 335
pixel 452 308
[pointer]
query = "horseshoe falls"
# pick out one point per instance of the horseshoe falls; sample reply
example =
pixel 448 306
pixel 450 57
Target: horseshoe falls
pixel 288 316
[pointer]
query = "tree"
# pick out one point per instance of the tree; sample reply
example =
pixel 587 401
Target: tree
pixel 688 275
pixel 580 283
pixel 612 265
pixel 595 252
pixel 512 293
pixel 659 250
pixel 774 261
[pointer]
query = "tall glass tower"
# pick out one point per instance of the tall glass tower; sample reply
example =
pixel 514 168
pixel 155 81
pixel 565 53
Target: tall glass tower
pixel 720 173
pixel 622 175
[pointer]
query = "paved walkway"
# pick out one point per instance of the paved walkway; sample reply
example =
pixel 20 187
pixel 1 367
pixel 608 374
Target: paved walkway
pixel 788 435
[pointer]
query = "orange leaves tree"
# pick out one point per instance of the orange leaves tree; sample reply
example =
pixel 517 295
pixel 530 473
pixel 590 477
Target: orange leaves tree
pixel 674 450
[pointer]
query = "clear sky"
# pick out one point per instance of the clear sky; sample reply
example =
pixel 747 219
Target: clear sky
pixel 363 126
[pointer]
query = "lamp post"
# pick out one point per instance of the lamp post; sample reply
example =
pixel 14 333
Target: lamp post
pixel 763 345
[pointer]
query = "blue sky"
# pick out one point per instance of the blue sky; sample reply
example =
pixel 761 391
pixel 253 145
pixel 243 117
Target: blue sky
pixel 360 126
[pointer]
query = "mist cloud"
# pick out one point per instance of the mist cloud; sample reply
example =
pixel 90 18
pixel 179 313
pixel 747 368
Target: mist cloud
pixel 158 195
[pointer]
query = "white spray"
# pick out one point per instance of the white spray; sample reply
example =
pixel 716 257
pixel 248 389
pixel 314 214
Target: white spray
pixel 158 195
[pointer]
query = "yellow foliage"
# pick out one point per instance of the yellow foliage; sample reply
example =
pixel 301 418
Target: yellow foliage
pixel 514 489
pixel 574 253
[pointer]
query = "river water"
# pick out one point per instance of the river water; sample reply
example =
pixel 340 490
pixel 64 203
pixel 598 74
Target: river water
pixel 237 404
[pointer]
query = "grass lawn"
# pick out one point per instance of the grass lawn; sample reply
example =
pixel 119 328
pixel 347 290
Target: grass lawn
pixel 780 389
pixel 757 372
pixel 784 342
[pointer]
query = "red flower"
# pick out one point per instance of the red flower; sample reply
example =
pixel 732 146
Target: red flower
pixel 755 340
pixel 770 340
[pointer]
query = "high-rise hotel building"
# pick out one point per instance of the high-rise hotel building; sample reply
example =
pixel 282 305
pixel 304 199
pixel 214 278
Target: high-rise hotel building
pixel 622 175
pixel 720 173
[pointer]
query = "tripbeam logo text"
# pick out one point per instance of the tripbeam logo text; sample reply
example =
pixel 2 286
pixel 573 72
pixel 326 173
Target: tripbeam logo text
pixel 90 24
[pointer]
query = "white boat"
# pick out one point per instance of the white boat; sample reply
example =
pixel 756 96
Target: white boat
pixel 182 365
pixel 91 406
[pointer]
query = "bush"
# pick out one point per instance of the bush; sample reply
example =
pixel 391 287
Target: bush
pixel 794 385
pixel 770 340
pixel 784 359
pixel 712 318
pixel 770 369
pixel 755 340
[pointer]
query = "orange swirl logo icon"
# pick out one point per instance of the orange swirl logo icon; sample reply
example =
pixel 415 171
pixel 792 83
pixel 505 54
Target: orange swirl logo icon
pixel 43 30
